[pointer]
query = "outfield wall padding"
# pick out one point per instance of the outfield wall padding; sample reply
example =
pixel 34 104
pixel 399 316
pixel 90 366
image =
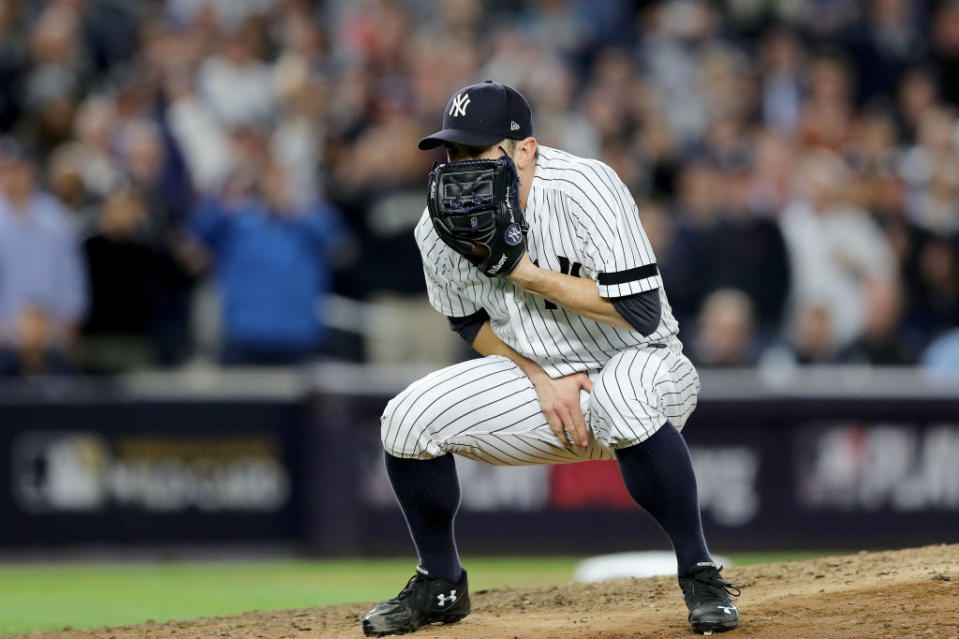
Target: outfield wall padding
pixel 823 459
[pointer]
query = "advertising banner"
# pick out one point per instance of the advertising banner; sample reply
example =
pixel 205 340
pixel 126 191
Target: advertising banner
pixel 805 476
pixel 149 471
pixel 774 471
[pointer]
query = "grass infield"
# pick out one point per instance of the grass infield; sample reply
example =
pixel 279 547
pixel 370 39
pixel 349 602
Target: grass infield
pixel 47 596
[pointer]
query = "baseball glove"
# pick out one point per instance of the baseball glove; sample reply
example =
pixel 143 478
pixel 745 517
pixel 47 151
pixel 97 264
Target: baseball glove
pixel 474 206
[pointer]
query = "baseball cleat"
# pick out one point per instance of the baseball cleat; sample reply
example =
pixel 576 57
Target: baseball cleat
pixel 707 597
pixel 424 600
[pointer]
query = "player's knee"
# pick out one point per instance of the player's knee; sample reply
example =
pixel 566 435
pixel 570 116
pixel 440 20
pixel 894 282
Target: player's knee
pixel 601 393
pixel 401 435
pixel 600 401
pixel 389 422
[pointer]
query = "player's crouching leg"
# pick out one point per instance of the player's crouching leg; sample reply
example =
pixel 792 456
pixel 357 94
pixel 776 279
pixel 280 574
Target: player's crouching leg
pixel 427 490
pixel 633 405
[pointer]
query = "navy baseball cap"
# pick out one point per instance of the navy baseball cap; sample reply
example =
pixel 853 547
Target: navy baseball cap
pixel 482 115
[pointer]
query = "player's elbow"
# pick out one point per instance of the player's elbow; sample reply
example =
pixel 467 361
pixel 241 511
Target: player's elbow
pixel 642 311
pixel 469 327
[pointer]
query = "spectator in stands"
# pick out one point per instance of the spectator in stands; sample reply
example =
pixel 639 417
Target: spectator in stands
pixel 749 253
pixel 236 84
pixel 917 93
pixel 937 207
pixel 202 139
pixel 834 249
pixel 295 142
pixel 782 82
pixel 721 242
pixel 93 128
pixel 43 289
pixel 37 350
pixel 191 99
pixel 271 267
pixel 686 266
pixel 826 119
pixel 64 178
pixel 931 160
pixel 111 32
pixel 811 340
pixel 907 241
pixel 678 36
pixel 941 358
pixel 944 49
pixel 59 73
pixel 772 176
pixel 13 64
pixel 152 166
pixel 881 341
pixel 129 282
pixel 935 307
pixel 882 43
pixel 155 169
pixel 873 148
pixel 379 187
pixel 725 331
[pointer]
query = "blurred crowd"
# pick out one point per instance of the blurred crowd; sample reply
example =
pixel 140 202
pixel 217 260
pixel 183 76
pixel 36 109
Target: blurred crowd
pixel 237 180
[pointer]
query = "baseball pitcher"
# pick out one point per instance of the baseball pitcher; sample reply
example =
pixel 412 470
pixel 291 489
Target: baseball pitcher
pixel 539 260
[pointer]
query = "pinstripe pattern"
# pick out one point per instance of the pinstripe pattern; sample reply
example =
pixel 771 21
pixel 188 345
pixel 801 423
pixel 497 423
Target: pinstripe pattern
pixel 580 210
pixel 638 391
pixel 583 221
pixel 487 409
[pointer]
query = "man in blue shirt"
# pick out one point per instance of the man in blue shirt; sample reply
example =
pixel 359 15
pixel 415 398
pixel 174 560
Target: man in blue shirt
pixel 270 263
pixel 43 280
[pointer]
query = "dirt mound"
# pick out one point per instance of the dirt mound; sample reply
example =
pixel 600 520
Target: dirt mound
pixel 896 594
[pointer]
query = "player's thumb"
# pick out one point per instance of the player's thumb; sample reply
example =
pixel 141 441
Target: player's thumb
pixel 585 382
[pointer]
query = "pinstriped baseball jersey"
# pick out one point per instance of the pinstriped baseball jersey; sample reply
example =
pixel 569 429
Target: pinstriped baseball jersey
pixel 583 222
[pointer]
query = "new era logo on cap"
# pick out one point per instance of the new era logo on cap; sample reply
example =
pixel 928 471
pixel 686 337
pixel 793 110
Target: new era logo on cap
pixel 482 115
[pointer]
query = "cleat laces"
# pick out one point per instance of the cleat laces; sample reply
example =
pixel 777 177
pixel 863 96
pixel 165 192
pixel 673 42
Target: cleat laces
pixel 410 586
pixel 710 584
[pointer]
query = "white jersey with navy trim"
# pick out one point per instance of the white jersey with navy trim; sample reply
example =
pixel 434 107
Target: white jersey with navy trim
pixel 583 222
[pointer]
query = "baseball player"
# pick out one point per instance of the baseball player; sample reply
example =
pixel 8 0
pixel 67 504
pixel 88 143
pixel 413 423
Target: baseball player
pixel 539 260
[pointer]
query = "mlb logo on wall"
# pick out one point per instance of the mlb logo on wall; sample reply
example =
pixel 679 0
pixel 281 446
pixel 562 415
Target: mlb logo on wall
pixel 60 471
pixel 85 472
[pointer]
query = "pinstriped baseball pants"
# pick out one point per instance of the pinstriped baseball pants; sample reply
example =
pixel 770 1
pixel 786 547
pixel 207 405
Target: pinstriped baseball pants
pixel 487 409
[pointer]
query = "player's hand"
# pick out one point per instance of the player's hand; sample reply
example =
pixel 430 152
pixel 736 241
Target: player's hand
pixel 559 400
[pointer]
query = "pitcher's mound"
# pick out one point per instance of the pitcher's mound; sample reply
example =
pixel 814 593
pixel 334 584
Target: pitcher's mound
pixel 896 594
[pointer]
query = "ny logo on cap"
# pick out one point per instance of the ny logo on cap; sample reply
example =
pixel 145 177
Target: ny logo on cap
pixel 459 105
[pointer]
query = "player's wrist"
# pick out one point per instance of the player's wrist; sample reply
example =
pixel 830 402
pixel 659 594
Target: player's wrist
pixel 533 370
pixel 536 373
pixel 526 275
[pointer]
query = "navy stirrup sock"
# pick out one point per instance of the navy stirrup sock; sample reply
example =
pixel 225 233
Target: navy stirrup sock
pixel 428 491
pixel 659 477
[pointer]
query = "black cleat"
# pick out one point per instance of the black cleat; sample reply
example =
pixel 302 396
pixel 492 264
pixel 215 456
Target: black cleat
pixel 707 597
pixel 424 600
